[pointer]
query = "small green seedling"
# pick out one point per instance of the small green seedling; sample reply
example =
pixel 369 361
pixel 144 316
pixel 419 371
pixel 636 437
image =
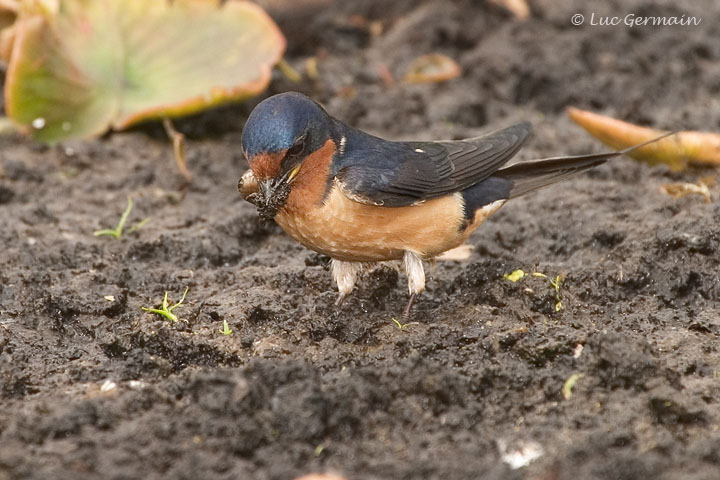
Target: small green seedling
pixel 402 326
pixel 226 328
pixel 556 282
pixel 518 275
pixel 399 325
pixel 118 230
pixel 167 311
pixel 569 384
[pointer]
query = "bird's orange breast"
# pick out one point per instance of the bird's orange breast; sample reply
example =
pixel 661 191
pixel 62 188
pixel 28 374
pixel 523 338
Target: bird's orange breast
pixel 352 231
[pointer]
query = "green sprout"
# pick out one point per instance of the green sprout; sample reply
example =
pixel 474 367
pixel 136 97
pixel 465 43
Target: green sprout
pixel 556 282
pixel 167 311
pixel 569 384
pixel 118 230
pixel 399 325
pixel 226 328
pixel 518 275
pixel 402 326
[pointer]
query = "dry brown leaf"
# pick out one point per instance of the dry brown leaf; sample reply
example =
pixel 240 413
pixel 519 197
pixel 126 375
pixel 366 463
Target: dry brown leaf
pixel 432 68
pixel 321 476
pixel 681 189
pixel 519 8
pixel 676 151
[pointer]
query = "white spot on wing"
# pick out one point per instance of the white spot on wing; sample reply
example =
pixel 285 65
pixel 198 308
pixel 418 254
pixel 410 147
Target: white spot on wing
pixel 420 150
pixel 343 142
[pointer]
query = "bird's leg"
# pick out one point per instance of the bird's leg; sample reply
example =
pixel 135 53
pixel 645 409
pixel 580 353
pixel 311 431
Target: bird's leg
pixel 406 313
pixel 340 300
pixel 416 278
pixel 345 275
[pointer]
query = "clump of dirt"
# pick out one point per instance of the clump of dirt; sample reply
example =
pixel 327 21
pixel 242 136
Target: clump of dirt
pixel 93 387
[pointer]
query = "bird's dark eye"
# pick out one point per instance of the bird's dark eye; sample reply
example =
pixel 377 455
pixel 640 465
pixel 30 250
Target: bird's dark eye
pixel 297 147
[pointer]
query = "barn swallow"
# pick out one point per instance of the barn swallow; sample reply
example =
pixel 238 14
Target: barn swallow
pixel 360 199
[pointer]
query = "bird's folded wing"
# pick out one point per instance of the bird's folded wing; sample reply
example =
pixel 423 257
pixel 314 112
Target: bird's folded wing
pixel 397 174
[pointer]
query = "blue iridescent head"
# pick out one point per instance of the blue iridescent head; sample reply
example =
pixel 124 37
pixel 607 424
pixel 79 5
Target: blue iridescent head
pixel 283 122
pixel 281 132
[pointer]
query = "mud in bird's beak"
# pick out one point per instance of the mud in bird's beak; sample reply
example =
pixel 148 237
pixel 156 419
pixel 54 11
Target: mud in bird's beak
pixel 268 195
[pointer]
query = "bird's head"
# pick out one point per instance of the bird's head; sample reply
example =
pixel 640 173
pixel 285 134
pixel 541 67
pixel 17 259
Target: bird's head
pixel 280 134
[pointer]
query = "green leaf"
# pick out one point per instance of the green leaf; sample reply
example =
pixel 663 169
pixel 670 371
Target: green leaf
pixel 515 276
pixel 99 64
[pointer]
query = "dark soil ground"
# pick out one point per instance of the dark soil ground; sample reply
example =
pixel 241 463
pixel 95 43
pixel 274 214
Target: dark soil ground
pixel 97 388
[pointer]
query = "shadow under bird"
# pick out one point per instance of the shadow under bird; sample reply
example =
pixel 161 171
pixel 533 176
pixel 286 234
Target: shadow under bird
pixel 360 199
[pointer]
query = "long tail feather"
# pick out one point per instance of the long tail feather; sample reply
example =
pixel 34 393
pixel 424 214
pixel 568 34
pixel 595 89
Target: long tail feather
pixel 527 177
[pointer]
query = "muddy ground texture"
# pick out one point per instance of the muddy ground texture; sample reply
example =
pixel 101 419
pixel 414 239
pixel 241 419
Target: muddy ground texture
pixel 94 387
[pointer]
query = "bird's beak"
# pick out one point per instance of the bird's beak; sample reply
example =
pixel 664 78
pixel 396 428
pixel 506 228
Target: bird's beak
pixel 272 194
pixel 292 173
pixel 248 184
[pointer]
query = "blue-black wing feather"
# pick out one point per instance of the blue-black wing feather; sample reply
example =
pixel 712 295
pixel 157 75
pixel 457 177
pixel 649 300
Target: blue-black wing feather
pixel 380 172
